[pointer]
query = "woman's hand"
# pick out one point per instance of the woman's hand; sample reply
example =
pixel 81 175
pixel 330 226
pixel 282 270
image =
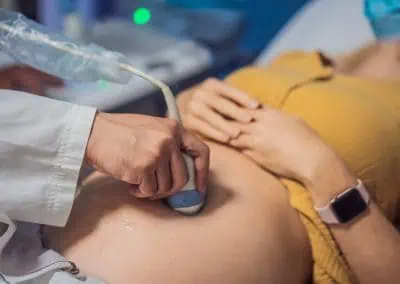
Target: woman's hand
pixel 212 108
pixel 286 146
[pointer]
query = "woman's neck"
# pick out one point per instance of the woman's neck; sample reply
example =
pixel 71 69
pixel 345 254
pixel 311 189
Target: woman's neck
pixel 382 62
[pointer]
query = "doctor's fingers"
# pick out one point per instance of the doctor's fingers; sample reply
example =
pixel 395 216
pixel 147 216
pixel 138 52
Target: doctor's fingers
pixel 164 179
pixel 147 187
pixel 200 153
pixel 220 104
pixel 179 171
pixel 167 176
pixel 158 183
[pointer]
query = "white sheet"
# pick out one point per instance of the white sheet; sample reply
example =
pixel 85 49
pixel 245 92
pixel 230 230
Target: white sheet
pixel 333 26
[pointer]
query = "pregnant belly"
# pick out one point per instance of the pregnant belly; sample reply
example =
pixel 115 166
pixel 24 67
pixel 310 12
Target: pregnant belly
pixel 247 233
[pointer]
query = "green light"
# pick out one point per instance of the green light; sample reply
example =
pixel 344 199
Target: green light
pixel 103 84
pixel 141 16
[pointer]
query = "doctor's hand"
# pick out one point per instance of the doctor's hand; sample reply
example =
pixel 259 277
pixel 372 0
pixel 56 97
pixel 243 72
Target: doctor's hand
pixel 286 146
pixel 212 107
pixel 146 152
pixel 27 79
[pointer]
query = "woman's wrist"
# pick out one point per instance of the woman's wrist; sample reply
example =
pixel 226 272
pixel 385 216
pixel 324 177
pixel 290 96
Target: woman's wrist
pixel 328 178
pixel 327 189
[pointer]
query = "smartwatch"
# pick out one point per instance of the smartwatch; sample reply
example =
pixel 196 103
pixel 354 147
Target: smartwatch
pixel 346 206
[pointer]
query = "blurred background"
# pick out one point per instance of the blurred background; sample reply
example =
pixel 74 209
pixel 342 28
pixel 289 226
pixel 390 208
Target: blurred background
pixel 180 42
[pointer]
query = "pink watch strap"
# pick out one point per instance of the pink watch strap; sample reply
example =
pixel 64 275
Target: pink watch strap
pixel 327 214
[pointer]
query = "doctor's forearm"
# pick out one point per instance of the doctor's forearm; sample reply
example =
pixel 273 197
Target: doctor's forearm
pixel 370 244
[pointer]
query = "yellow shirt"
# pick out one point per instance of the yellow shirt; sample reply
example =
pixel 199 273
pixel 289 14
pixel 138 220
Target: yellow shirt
pixel 358 117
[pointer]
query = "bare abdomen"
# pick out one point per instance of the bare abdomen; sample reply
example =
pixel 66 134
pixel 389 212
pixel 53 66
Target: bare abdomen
pixel 247 233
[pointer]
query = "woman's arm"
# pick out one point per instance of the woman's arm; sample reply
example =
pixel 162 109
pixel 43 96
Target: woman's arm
pixel 371 244
pixel 290 148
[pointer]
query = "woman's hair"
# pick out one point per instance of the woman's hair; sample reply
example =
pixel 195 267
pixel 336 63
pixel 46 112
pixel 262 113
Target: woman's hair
pixel 352 60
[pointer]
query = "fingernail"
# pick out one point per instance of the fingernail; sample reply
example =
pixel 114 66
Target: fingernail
pixel 254 105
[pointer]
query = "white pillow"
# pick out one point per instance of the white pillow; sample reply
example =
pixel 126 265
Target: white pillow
pixel 333 26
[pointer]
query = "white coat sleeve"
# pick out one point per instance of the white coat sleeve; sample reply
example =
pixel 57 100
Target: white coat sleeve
pixel 42 147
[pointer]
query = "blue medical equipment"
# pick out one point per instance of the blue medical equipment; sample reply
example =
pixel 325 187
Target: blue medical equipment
pixel 261 18
pixel 30 43
pixel 52 13
pixel 384 17
pixel 172 58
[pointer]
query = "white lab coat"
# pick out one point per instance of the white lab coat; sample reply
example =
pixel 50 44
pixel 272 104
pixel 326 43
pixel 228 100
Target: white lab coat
pixel 42 146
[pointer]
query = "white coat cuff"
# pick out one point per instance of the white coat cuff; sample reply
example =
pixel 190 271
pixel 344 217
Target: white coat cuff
pixel 64 180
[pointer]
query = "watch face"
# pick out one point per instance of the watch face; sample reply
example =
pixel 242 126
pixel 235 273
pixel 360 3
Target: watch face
pixel 348 206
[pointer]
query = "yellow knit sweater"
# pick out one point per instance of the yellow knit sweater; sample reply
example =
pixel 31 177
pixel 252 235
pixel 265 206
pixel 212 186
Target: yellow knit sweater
pixel 360 118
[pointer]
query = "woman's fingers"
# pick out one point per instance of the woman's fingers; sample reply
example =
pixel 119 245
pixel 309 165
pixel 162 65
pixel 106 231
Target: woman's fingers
pixel 266 112
pixel 244 141
pixel 235 95
pixel 247 128
pixel 205 129
pixel 227 100
pixel 226 107
pixel 213 107
pixel 216 120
